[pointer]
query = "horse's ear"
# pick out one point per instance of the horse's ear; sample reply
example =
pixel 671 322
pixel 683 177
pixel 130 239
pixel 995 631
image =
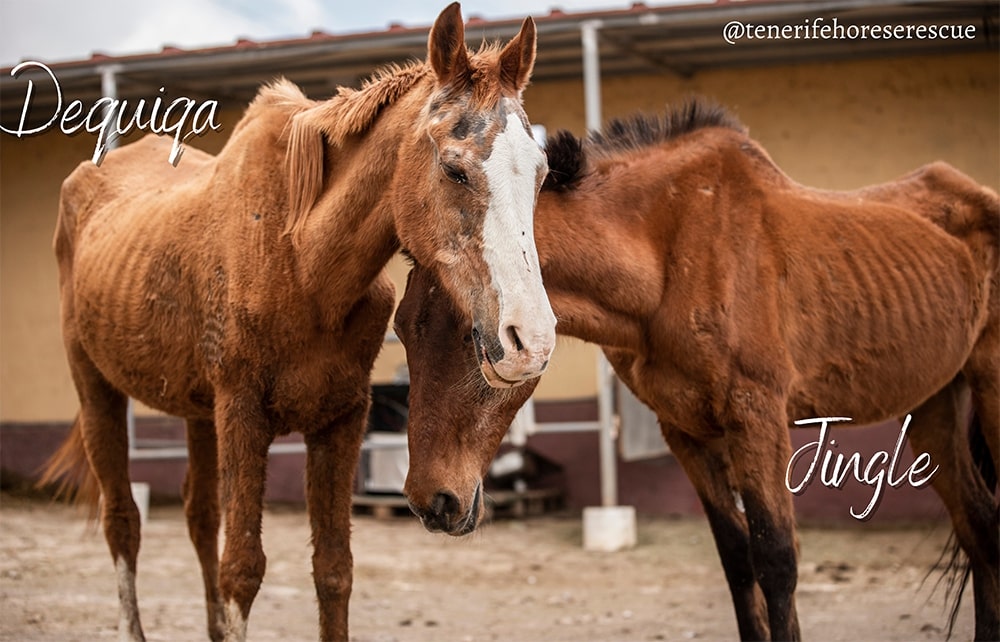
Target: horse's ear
pixel 446 47
pixel 518 58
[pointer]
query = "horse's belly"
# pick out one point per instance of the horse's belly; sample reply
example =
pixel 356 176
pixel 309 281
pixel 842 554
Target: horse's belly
pixel 883 370
pixel 885 339
pixel 870 390
pixel 147 366
pixel 136 315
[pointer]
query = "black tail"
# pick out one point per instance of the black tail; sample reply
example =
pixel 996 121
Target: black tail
pixel 957 569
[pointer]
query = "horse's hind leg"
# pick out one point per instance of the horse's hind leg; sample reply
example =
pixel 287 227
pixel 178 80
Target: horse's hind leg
pixel 105 438
pixel 201 507
pixel 938 428
pixel 708 470
pixel 983 374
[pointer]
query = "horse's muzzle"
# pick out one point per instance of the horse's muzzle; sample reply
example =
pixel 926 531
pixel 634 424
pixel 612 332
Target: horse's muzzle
pixel 488 355
pixel 445 513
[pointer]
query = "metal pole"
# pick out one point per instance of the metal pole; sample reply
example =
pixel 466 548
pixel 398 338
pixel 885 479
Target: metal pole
pixel 605 412
pixel 109 89
pixel 591 74
pixel 605 401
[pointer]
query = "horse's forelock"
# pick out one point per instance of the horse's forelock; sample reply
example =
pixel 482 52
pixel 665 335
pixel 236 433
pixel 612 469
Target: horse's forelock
pixel 482 81
pixel 486 79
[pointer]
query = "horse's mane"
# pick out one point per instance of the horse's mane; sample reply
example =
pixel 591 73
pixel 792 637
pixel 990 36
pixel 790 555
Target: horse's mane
pixel 349 112
pixel 568 155
pixel 352 111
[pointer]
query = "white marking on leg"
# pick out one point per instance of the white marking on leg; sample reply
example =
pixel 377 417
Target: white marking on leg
pixel 129 628
pixel 236 626
pixel 739 501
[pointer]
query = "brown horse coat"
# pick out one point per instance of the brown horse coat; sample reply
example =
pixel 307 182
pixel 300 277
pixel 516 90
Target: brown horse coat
pixel 244 292
pixel 733 301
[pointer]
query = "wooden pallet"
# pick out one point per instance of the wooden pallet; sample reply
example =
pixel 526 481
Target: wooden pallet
pixel 520 504
pixel 381 506
pixel 503 503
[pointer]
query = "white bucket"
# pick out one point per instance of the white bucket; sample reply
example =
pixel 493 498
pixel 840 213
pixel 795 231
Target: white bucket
pixel 609 528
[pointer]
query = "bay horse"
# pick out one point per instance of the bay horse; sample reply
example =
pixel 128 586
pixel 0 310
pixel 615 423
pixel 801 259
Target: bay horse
pixel 732 301
pixel 245 293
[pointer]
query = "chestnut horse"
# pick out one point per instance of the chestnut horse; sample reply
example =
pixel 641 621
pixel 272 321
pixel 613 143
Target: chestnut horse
pixel 245 293
pixel 733 301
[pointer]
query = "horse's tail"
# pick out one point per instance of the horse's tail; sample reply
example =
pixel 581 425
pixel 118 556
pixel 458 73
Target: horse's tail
pixel 69 470
pixel 957 568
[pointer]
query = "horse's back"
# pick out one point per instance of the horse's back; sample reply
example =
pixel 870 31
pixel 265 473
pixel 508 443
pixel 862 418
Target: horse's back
pixel 889 292
pixel 952 201
pixel 138 168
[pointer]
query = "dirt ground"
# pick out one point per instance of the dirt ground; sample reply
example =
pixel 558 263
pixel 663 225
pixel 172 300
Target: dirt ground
pixel 515 580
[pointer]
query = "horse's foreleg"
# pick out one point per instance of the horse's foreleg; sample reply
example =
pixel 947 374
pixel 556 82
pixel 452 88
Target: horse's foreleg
pixel 105 438
pixel 331 463
pixel 708 470
pixel 938 428
pixel 243 444
pixel 759 449
pixel 201 507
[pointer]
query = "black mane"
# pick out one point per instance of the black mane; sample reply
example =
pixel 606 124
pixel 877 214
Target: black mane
pixel 567 154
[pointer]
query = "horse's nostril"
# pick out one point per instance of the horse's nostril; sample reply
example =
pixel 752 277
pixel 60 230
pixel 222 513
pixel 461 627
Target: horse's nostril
pixel 516 340
pixel 443 504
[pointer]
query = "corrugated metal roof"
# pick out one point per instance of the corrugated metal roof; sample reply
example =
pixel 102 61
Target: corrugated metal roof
pixel 675 39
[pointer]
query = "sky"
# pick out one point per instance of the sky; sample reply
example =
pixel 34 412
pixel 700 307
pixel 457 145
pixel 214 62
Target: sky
pixel 59 30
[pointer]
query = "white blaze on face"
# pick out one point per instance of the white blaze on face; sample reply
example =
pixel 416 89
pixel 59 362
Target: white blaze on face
pixel 509 250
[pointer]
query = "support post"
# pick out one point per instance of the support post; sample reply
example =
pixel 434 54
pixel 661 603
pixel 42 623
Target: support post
pixel 607 527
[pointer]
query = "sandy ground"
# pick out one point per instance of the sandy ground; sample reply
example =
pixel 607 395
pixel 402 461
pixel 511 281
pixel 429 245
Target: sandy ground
pixel 516 580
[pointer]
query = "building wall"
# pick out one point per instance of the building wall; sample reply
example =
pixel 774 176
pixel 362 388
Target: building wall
pixel 831 125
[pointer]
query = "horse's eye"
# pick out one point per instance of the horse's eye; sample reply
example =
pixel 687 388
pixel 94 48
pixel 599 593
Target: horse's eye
pixel 454 174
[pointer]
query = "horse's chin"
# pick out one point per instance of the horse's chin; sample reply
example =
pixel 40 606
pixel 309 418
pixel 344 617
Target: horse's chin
pixel 465 524
pixel 490 374
pixel 493 378
pixel 475 514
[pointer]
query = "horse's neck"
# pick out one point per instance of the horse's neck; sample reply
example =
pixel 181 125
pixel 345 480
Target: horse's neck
pixel 602 271
pixel 350 233
pixel 605 244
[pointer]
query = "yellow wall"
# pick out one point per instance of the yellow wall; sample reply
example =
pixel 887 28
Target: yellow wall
pixel 837 126
pixel 34 381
